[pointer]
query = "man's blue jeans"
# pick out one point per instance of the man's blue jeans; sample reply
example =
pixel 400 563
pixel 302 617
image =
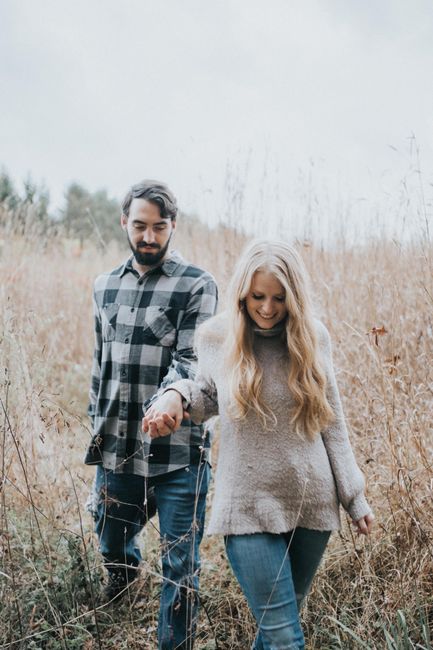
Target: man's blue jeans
pixel 275 573
pixel 122 510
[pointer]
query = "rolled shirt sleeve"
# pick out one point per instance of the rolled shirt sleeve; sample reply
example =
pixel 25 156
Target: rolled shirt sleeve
pixel 96 363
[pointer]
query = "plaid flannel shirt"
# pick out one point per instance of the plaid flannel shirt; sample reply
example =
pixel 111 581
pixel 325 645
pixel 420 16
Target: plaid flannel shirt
pixel 144 330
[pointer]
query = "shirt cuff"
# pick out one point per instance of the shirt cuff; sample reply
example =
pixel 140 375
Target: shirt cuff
pixel 186 403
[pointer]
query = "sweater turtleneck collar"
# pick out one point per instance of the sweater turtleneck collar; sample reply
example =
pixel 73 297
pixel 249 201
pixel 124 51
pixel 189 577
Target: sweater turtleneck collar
pixel 273 331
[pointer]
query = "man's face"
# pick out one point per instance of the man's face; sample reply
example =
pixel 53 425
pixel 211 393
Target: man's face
pixel 148 233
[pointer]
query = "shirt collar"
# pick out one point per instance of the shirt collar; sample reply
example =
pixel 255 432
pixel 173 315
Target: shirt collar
pixel 168 267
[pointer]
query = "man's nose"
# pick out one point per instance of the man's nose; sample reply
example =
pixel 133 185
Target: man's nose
pixel 148 236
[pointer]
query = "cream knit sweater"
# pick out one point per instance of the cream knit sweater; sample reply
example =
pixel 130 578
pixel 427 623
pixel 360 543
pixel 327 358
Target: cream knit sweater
pixel 273 480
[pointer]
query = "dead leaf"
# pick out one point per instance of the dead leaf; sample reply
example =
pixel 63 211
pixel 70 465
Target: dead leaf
pixel 376 332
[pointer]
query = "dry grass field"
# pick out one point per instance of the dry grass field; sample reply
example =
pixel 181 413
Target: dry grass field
pixel 377 301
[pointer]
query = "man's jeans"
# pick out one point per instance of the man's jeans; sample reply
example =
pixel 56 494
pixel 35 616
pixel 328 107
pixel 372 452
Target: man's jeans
pixel 122 508
pixel 275 573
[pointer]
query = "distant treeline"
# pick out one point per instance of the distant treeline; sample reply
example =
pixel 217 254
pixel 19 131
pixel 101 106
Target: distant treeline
pixel 92 217
pixel 86 215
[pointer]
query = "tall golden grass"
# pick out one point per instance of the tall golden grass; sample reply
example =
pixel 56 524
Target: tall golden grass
pixel 377 301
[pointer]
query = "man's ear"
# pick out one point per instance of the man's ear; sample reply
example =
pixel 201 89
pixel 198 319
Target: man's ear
pixel 123 221
pixel 173 224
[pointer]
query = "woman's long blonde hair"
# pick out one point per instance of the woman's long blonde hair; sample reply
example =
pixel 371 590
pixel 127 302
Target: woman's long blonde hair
pixel 306 379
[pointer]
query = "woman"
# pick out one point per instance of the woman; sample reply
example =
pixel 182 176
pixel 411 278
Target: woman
pixel 285 460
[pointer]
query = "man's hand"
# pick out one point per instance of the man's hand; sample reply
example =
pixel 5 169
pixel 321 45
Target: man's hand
pixel 165 415
pixel 364 525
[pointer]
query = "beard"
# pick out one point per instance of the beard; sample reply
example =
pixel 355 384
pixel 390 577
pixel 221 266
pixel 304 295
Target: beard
pixel 148 259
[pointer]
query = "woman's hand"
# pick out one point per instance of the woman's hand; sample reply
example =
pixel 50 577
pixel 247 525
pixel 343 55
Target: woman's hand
pixel 364 525
pixel 165 415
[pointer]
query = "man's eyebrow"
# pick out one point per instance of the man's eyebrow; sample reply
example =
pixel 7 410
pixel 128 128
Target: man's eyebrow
pixel 157 223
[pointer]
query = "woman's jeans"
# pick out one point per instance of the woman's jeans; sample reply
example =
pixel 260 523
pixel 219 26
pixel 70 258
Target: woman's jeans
pixel 275 573
pixel 123 505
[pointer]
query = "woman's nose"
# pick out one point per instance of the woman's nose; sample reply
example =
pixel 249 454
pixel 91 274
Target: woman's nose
pixel 267 307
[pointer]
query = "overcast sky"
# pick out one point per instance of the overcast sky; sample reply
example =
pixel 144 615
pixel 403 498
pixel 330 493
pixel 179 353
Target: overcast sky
pixel 271 103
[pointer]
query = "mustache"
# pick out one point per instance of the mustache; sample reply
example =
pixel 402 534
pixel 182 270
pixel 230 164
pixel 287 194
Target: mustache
pixel 144 245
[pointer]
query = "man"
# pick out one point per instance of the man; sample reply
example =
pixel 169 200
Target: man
pixel 146 311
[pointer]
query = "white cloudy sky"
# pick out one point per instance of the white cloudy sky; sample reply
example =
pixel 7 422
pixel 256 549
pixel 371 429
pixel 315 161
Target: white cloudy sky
pixel 283 100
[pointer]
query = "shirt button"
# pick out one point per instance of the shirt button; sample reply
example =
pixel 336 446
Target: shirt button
pixel 132 310
pixel 126 340
pixel 123 404
pixel 123 372
pixel 121 434
pixel 140 282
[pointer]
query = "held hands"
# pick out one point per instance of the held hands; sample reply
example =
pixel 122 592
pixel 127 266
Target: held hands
pixel 364 525
pixel 165 415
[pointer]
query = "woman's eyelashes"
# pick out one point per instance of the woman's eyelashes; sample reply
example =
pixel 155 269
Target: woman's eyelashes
pixel 256 296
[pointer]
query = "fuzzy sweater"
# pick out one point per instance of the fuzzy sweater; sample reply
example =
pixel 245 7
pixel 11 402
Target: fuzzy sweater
pixel 273 480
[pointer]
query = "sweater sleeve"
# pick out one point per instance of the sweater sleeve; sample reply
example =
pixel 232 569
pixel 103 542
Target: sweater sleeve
pixel 199 396
pixel 347 475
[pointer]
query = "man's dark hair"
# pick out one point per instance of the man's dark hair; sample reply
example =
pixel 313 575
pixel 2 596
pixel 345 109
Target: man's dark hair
pixel 154 192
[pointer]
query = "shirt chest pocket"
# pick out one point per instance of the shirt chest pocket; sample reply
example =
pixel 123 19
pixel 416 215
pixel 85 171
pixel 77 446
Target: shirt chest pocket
pixel 158 327
pixel 108 321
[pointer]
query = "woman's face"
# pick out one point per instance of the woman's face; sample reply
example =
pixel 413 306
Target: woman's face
pixel 265 302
